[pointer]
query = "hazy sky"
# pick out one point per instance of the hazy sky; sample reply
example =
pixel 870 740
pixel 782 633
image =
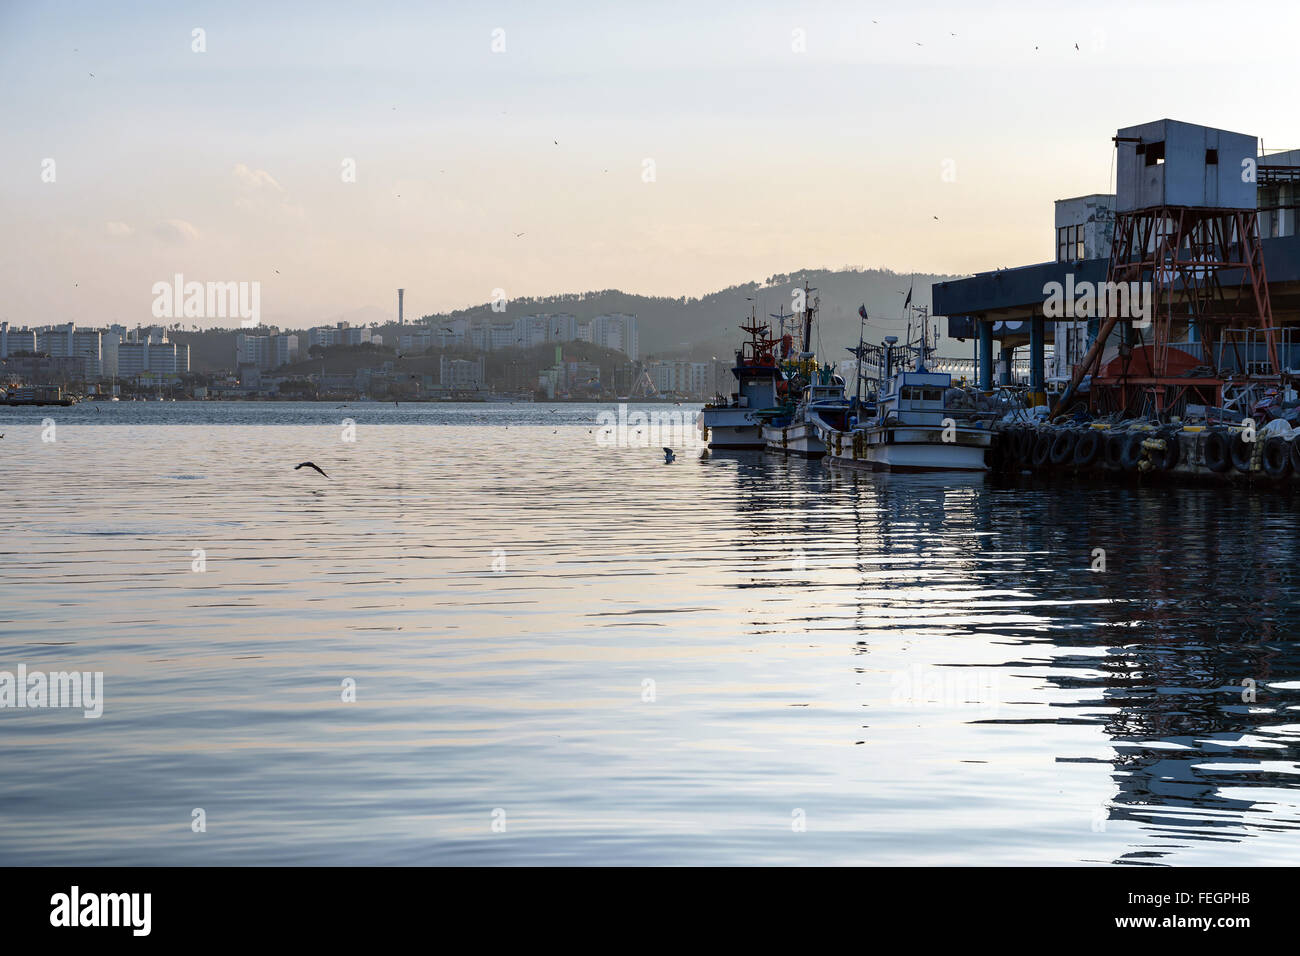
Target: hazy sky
pixel 227 165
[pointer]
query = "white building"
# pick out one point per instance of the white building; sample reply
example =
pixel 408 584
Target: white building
pixel 560 327
pixel 455 332
pixel 152 359
pixel 284 349
pixel 685 378
pixel 252 350
pixel 1278 201
pixel 1085 226
pixel 616 331
pixel 533 330
pixel 460 373
pixel 418 339
pixel 60 341
pixel 324 336
pixel 501 335
pixel 13 341
pixel 265 351
pixel 110 340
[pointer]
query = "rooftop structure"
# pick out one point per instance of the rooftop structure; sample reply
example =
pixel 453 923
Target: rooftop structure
pixel 1203 219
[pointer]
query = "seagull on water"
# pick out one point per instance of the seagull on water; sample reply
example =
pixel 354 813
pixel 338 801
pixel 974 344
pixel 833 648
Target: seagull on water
pixel 669 456
pixel 309 464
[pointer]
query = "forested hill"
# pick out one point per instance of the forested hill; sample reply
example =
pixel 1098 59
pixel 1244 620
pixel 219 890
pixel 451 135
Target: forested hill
pixel 705 326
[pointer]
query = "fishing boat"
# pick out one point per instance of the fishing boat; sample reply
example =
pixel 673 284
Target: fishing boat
pixel 821 406
pixel 812 396
pixel 909 426
pixel 736 423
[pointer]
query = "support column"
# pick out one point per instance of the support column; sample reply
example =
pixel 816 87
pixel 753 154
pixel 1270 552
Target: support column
pixel 985 352
pixel 1008 356
pixel 1036 342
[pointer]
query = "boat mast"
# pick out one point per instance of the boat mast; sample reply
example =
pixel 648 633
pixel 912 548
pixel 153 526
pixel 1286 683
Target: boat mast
pixel 862 322
pixel 809 308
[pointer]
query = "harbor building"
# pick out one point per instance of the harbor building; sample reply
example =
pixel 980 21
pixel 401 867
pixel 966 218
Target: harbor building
pixel 1227 296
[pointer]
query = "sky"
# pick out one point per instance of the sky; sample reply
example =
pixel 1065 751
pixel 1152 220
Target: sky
pixel 663 149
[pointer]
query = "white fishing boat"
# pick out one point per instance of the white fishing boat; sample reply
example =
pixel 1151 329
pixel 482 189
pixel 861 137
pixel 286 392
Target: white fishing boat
pixel 822 407
pixel 909 426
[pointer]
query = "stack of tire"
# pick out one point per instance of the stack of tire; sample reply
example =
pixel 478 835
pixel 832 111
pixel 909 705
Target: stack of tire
pixel 1226 450
pixel 1139 449
pixel 1018 443
pixel 1039 448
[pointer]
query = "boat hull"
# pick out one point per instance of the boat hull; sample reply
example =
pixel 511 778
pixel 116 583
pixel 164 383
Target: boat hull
pixel 731 428
pixel 914 449
pixel 744 436
pixel 798 438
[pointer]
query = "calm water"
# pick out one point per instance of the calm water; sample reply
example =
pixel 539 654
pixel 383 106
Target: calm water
pixel 724 660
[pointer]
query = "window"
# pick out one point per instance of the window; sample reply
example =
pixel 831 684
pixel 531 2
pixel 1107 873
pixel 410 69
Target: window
pixel 1069 243
pixel 919 394
pixel 1211 157
pixel 1155 153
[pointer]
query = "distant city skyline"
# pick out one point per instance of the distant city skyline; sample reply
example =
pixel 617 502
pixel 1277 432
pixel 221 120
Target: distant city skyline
pixel 773 139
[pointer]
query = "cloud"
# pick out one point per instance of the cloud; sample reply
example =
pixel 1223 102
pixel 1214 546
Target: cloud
pixel 256 177
pixel 175 230
pixel 118 230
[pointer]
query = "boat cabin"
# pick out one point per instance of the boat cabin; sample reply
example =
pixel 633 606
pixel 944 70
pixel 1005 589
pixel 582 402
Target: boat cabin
pixel 916 398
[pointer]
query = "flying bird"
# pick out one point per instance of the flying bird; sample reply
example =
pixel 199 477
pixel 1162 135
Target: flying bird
pixel 518 234
pixel 669 456
pixel 1076 46
pixel 309 464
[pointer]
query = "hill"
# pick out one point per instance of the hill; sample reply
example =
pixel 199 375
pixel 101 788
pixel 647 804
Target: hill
pixel 693 328
pixel 701 327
